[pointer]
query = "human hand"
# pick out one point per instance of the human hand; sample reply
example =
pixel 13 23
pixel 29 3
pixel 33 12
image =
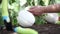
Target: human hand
pixel 37 10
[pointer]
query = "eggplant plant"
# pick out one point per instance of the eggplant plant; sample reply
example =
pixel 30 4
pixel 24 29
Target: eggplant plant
pixel 15 5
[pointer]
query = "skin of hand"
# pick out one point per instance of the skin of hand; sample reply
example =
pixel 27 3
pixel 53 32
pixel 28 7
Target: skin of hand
pixel 37 10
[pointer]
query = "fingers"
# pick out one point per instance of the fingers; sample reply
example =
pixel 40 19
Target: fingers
pixel 31 10
pixel 35 10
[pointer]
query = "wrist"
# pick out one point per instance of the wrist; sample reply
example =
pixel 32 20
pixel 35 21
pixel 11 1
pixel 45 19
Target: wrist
pixel 52 8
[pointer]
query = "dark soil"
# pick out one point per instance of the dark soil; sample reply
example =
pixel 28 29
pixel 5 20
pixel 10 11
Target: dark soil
pixel 47 28
pixel 42 29
pixel 6 32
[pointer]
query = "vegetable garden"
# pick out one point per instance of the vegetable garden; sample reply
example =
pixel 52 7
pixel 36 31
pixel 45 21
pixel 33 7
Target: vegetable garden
pixel 23 22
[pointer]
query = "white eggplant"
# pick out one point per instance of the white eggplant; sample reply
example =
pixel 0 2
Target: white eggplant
pixel 52 17
pixel 25 18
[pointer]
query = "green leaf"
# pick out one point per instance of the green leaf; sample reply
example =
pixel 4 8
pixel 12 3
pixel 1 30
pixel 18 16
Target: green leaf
pixel 58 22
pixel 40 20
pixel 57 1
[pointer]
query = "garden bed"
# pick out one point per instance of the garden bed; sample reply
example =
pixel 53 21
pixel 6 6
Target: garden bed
pixel 47 28
pixel 42 29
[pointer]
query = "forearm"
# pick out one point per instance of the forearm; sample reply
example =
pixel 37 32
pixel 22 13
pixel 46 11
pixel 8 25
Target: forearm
pixel 52 8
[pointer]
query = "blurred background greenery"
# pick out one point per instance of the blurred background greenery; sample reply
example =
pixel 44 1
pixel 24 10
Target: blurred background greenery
pixel 14 6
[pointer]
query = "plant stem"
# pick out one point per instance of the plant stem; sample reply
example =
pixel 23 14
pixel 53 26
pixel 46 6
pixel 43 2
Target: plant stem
pixel 5 8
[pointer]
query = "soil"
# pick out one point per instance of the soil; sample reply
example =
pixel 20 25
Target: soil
pixel 47 28
pixel 42 29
